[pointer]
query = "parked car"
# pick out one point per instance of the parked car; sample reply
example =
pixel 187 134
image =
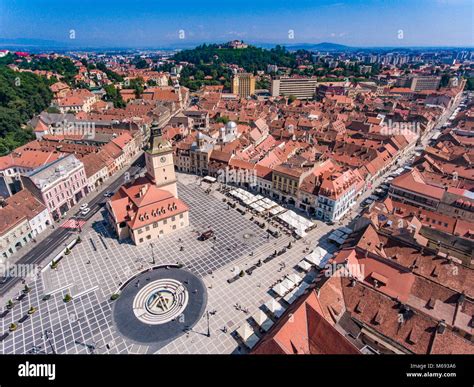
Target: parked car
pixel 366 202
pixel 108 194
pixel 206 235
pixel 84 206
pixel 85 211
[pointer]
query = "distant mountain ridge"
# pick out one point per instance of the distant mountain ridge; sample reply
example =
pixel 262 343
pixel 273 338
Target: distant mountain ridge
pixel 37 45
pixel 324 46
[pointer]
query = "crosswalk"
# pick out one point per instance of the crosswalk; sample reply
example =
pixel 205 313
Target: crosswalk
pixel 73 223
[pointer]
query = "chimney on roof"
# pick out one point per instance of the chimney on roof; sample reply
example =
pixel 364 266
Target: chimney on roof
pixel 441 327
pixel 143 190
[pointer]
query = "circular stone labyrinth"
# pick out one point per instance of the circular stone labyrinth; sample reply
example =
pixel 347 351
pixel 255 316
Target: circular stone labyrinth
pixel 160 301
pixel 159 305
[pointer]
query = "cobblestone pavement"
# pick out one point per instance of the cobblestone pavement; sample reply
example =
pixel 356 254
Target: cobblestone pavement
pixel 99 264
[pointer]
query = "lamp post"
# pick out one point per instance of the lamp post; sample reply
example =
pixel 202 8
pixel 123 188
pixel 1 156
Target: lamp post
pixel 47 332
pixel 152 254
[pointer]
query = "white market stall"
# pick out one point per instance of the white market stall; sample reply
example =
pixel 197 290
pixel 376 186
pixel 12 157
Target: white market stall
pixel 318 257
pixel 247 334
pixel 295 278
pixel 291 296
pixel 262 320
pixel 280 289
pixel 304 265
pixel 275 307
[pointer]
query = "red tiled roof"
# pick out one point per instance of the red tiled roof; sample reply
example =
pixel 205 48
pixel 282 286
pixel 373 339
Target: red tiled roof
pixel 413 181
pixel 303 330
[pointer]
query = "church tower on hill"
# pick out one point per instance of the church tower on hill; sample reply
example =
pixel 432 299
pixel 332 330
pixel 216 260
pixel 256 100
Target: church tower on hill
pixel 159 161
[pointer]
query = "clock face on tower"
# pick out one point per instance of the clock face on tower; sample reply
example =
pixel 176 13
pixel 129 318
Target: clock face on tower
pixel 162 159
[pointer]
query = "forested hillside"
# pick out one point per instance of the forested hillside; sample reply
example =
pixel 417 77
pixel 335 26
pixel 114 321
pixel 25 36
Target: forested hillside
pixel 22 95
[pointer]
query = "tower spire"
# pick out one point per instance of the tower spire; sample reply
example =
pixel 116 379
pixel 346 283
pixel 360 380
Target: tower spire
pixel 157 144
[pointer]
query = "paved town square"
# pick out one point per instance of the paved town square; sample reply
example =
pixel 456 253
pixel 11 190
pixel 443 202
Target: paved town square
pixel 99 265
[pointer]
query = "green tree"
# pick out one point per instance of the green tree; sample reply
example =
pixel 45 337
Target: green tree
pixel 22 95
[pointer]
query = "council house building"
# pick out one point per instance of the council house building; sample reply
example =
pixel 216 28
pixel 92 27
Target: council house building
pixel 149 207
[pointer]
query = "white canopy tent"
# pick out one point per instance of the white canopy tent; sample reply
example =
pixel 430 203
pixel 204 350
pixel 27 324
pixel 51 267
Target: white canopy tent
pixel 287 283
pixel 312 258
pixel 280 289
pixel 269 203
pixel 324 256
pixel 318 257
pixel 295 221
pixel 291 296
pixel 295 278
pixel 275 307
pixel 277 210
pixel 262 320
pixel 247 334
pixel 304 265
pixel 209 179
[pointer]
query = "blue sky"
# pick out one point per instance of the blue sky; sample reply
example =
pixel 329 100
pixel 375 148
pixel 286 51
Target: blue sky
pixel 136 23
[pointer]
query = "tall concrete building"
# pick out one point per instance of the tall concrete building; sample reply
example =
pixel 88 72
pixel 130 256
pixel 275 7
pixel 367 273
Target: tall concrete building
pixel 301 88
pixel 243 84
pixel 420 83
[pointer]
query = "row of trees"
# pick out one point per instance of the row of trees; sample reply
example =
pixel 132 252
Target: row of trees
pixel 61 66
pixel 193 77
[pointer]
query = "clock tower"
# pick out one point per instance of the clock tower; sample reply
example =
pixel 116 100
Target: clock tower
pixel 159 161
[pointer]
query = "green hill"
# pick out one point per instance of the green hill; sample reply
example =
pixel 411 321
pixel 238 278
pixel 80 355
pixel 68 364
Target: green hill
pixel 251 59
pixel 22 95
